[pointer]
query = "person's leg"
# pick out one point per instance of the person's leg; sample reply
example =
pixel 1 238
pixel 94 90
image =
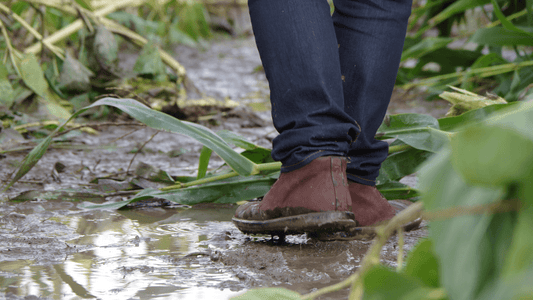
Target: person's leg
pixel 370 34
pixel 297 44
pixel 298 47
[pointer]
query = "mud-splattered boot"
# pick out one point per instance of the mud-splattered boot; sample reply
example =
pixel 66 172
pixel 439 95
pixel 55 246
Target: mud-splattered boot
pixel 314 198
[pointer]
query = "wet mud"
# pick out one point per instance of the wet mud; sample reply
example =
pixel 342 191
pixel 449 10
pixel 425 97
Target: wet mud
pixel 52 249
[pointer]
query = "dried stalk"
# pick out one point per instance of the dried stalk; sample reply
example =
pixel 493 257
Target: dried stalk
pixel 78 24
pixel 109 24
pixel 56 50
pixel 10 50
pixel 481 72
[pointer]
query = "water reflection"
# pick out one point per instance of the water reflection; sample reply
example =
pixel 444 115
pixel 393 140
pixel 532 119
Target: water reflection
pixel 136 254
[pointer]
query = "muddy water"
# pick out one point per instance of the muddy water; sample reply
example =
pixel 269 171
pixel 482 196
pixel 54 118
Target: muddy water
pixel 55 250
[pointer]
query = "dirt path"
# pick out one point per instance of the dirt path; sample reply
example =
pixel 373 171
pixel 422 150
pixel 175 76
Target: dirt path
pixel 52 249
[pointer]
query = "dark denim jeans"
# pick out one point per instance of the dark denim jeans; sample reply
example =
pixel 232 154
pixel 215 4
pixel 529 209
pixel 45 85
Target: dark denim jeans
pixel 331 77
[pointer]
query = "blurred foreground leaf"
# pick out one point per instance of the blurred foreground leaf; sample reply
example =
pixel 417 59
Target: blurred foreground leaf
pixel 268 294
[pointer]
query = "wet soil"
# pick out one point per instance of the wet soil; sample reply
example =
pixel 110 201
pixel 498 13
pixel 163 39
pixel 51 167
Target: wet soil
pixel 51 249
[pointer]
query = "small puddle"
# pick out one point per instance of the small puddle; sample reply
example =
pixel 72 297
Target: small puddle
pixel 51 251
pixel 54 250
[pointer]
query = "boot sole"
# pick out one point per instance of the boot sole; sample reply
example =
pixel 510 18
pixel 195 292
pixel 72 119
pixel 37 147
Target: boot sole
pixel 358 233
pixel 320 222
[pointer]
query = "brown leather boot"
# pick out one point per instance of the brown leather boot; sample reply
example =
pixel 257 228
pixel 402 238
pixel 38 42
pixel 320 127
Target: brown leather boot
pixel 368 205
pixel 370 209
pixel 310 199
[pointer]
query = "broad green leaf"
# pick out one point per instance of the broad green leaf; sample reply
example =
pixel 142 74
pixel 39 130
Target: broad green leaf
pixel 423 264
pixel 33 75
pixel 226 191
pixel 85 4
pixel 381 283
pixel 103 54
pixel 506 23
pixel 156 120
pixel 152 173
pixel 518 286
pixel 416 130
pixel 237 140
pixel 192 20
pixel 162 121
pixel 56 107
pixel 31 159
pixel 203 162
pixel 458 242
pixel 395 190
pixel 499 36
pixel 6 90
pixel 268 294
pixel 529 8
pixel 255 153
pixel 259 155
pixel 402 122
pixel 401 164
pixel 520 255
pixel 456 7
pixel 471 117
pixel 491 155
pixel 425 46
pixel 75 76
pixel 478 150
pixel 149 63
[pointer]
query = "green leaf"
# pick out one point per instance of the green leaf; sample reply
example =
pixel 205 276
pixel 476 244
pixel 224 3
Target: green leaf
pixel 401 122
pixel 423 264
pixel 456 7
pixel 6 90
pixel 156 120
pixel 85 4
pixel 381 283
pixel 268 294
pixel 152 173
pixel 203 162
pixel 227 191
pixel 401 164
pixel 416 130
pixel 517 286
pixel 149 63
pixel 33 75
pixel 499 36
pixel 520 254
pixel 396 190
pixel 259 155
pixel 460 252
pixel 470 117
pixel 74 76
pixel 425 46
pixel 237 140
pixel 104 50
pixel 31 159
pixel 478 150
pixel 506 23
pixel 162 121
pixel 192 20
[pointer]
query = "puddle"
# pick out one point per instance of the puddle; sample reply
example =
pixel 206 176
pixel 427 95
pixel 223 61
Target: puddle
pixel 55 251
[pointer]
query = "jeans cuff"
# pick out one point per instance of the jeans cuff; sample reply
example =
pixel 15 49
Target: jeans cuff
pixel 361 180
pixel 288 166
